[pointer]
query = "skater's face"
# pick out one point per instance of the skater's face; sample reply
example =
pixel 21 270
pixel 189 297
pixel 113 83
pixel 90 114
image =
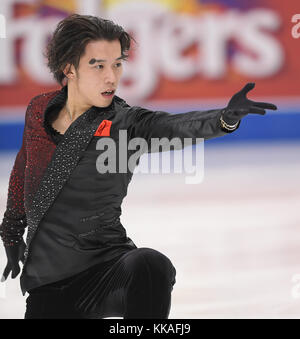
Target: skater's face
pixel 100 69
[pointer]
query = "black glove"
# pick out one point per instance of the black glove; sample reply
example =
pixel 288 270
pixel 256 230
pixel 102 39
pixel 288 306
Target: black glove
pixel 14 254
pixel 239 106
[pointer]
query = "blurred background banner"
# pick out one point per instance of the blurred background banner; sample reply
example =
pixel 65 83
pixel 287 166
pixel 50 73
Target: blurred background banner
pixel 190 55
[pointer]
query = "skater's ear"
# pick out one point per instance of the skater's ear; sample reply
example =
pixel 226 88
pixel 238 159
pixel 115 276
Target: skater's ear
pixel 69 71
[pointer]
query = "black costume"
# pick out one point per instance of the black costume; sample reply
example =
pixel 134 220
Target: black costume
pixel 75 236
pixel 101 291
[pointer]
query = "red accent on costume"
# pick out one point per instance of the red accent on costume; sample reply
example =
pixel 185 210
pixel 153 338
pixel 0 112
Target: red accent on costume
pixel 104 129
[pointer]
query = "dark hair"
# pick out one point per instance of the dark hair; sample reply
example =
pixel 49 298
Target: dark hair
pixel 71 36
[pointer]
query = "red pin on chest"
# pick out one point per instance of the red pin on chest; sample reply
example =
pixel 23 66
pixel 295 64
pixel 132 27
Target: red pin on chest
pixel 103 129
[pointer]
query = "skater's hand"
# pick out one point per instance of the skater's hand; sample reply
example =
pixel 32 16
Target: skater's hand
pixel 239 106
pixel 14 254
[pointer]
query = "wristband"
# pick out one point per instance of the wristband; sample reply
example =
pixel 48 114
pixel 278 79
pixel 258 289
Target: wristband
pixel 227 126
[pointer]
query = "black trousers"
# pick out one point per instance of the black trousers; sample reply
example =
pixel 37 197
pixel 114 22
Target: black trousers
pixel 137 285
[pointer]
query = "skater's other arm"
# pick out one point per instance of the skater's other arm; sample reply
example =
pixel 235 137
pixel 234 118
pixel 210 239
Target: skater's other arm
pixel 14 220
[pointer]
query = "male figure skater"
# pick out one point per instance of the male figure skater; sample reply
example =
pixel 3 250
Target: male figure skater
pixel 78 261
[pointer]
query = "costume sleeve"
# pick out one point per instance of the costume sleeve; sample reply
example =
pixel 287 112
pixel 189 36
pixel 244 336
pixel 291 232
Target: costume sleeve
pixel 14 221
pixel 149 124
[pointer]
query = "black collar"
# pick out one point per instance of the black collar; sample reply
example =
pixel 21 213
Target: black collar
pixel 59 100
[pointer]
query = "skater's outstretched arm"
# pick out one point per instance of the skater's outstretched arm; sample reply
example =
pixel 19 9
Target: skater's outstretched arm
pixel 208 124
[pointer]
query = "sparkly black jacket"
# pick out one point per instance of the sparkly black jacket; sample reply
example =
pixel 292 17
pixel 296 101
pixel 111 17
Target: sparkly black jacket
pixel 71 210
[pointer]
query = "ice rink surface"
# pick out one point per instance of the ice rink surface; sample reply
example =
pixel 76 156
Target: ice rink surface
pixel 233 239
